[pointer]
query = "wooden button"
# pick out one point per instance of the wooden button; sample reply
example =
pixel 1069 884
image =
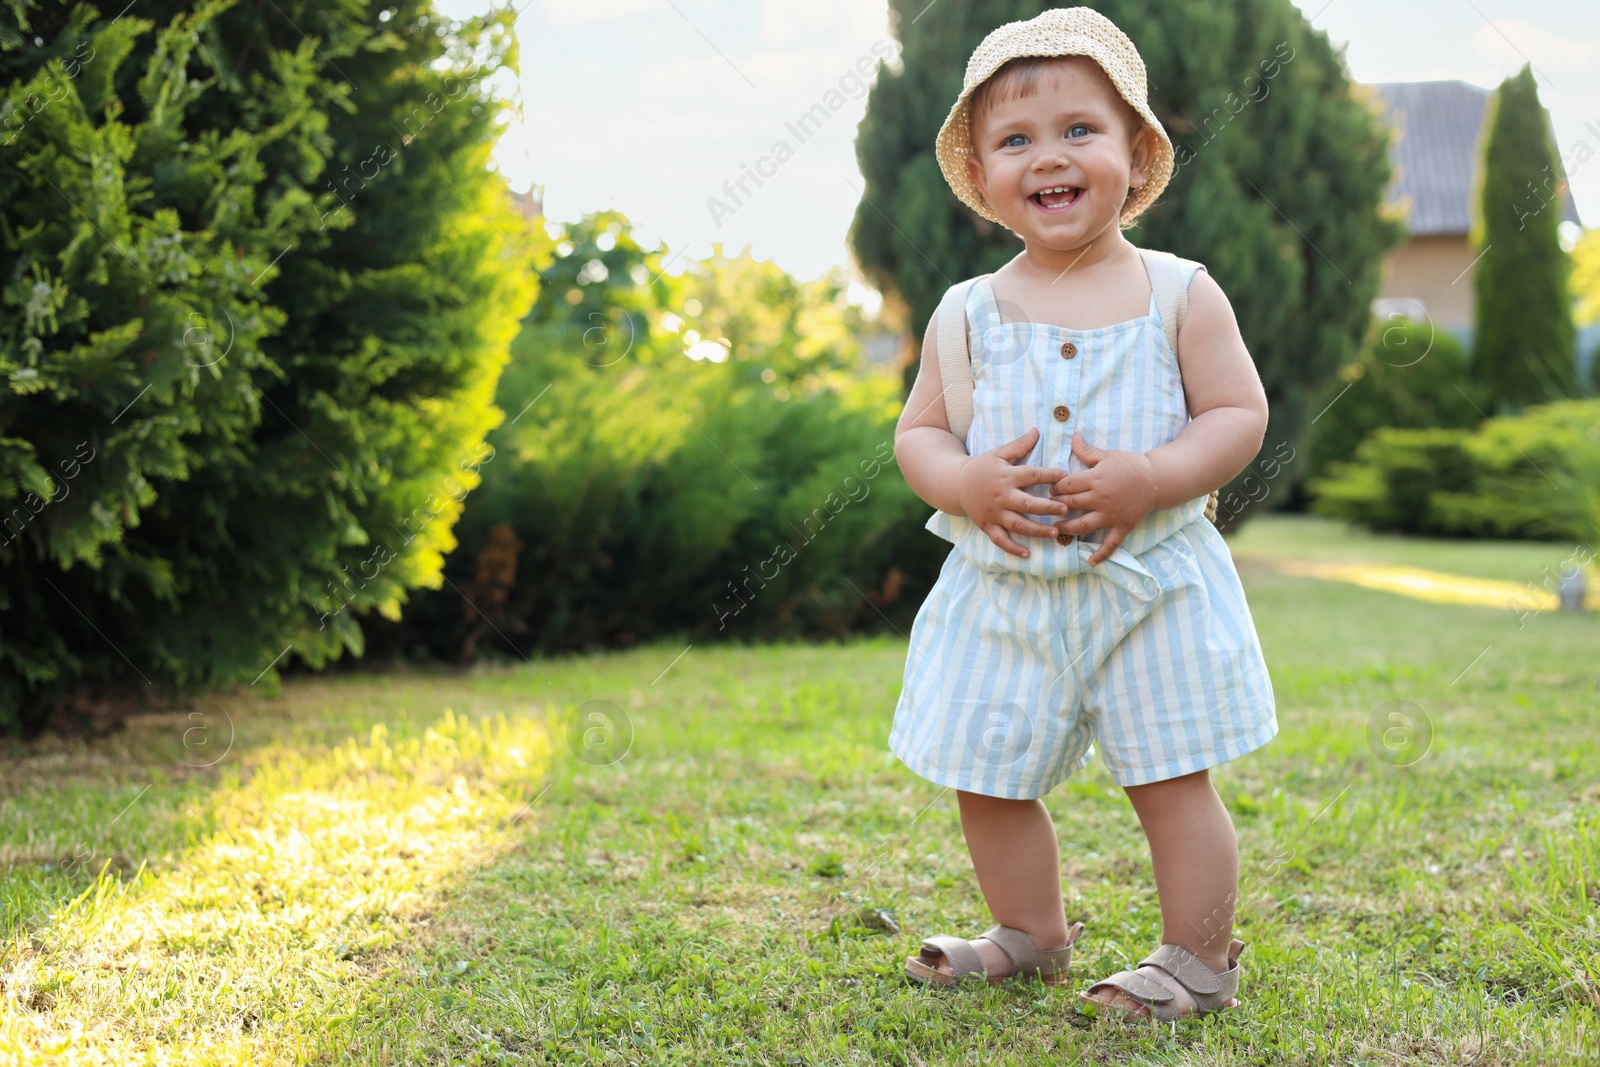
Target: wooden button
pixel 1062 412
pixel 1063 539
pixel 1068 350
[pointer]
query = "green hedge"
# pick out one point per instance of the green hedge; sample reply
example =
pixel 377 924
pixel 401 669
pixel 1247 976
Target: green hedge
pixel 1408 375
pixel 634 492
pixel 1535 476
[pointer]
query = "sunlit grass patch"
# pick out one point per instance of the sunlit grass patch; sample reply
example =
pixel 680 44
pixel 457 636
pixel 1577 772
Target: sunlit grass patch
pixel 258 940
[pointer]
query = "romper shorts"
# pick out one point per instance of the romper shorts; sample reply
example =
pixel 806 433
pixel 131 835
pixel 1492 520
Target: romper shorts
pixel 1013 679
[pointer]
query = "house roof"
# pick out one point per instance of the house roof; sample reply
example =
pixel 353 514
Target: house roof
pixel 1436 152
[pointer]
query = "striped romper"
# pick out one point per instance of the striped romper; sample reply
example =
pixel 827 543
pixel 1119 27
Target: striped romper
pixel 1018 668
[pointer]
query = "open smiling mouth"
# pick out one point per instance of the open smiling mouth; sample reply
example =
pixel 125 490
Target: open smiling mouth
pixel 1057 198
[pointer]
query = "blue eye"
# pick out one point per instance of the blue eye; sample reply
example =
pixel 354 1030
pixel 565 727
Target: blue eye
pixel 1072 131
pixel 1007 143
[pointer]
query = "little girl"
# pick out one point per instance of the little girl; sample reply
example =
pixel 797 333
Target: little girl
pixel 1126 626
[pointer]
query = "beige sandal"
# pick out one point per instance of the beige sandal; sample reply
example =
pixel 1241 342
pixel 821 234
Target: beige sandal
pixel 1026 959
pixel 1212 992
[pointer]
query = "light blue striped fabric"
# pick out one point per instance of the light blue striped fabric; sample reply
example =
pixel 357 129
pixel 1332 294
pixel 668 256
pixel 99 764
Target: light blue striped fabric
pixel 1019 670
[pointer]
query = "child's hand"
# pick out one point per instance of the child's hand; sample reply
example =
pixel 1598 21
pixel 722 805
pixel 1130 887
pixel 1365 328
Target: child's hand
pixel 992 495
pixel 1117 491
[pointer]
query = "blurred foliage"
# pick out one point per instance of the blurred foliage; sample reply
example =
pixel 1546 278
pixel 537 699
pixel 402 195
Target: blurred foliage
pixel 1535 475
pixel 257 291
pixel 1408 374
pixel 1586 291
pixel 1282 167
pixel 1586 277
pixel 636 490
pixel 1523 336
pixel 799 337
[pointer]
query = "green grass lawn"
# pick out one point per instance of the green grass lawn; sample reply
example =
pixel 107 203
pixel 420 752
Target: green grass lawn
pixel 412 868
pixel 1310 537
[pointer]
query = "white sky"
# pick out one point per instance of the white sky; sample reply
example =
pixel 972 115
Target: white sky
pixel 649 106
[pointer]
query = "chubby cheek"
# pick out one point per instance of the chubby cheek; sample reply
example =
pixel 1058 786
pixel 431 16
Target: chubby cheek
pixel 1110 170
pixel 1008 181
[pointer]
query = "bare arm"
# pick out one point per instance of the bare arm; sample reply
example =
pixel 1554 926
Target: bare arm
pixel 986 488
pixel 1227 405
pixel 929 455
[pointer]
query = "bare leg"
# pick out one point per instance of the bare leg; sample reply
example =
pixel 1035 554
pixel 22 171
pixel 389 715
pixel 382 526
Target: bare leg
pixel 1014 851
pixel 1195 854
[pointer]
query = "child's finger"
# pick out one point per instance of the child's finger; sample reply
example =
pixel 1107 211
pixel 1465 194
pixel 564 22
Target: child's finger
pixel 1035 505
pixel 1094 520
pixel 1036 475
pixel 1079 497
pixel 1090 454
pixel 999 535
pixel 1112 542
pixel 1017 449
pixel 1026 525
pixel 1070 483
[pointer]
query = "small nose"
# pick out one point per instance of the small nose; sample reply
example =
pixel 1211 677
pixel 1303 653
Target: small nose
pixel 1051 157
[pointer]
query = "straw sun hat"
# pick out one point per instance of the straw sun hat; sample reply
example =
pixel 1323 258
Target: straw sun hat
pixel 1061 31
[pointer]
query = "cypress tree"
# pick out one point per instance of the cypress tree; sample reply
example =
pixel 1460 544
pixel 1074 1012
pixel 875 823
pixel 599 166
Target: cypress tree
pixel 1282 167
pixel 1524 337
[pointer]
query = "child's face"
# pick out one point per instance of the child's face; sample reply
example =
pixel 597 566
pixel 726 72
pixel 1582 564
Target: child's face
pixel 1074 132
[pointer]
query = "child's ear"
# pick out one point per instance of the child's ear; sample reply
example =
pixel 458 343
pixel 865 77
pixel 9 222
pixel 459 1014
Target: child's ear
pixel 979 179
pixel 1143 153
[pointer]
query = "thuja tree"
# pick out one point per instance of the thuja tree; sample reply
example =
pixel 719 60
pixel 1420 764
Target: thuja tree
pixel 1523 335
pixel 1281 170
pixel 258 285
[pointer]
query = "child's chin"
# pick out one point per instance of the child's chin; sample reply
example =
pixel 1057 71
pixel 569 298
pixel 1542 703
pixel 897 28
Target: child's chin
pixel 1052 227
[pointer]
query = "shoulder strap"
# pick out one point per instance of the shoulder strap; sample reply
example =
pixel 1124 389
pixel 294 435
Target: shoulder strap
pixel 1169 281
pixel 955 357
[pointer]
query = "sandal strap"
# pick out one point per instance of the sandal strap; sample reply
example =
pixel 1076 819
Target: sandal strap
pixel 1210 989
pixel 1186 967
pixel 1141 987
pixel 1015 943
pixel 958 950
pixel 1026 957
